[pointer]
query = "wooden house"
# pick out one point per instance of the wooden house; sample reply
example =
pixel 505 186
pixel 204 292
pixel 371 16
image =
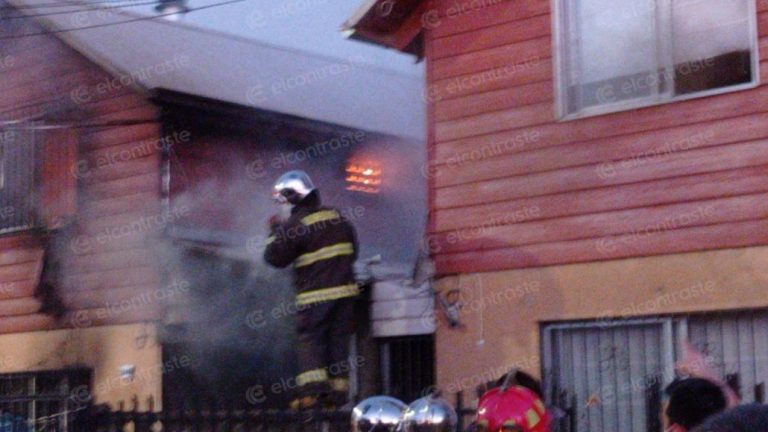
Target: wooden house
pixel 135 188
pixel 597 191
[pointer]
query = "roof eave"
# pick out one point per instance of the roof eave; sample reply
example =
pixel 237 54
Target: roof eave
pixel 376 22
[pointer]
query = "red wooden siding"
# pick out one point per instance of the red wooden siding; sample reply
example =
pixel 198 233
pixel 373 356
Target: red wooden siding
pixel 511 187
pixel 97 269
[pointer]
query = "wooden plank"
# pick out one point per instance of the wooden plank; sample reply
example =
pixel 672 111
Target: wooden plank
pixel 518 72
pixel 18 289
pixel 21 306
pixel 19 272
pixel 492 12
pixel 529 154
pixel 763 48
pixel 491 37
pixel 124 186
pixel 587 177
pixel 498 57
pixel 491 234
pixel 121 106
pixel 115 136
pixel 496 100
pixel 731 235
pixel 121 299
pixel 27 323
pixel 762 24
pixel 147 202
pixel 104 316
pixel 100 170
pixel 645 194
pixel 642 119
pixel 22 240
pixel 135 113
pixel 104 242
pixel 123 152
pixel 137 221
pixel 146 276
pixel 115 260
pixel 514 118
pixel 651 118
pixel 20 255
pixel 58 187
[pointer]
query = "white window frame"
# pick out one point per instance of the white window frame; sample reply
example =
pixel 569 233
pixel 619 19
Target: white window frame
pixel 560 50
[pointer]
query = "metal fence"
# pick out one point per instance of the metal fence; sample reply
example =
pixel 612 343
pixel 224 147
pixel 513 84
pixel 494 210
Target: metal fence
pixel 210 419
pixel 205 420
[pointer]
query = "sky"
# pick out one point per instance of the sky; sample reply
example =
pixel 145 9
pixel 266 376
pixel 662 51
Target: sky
pixel 308 25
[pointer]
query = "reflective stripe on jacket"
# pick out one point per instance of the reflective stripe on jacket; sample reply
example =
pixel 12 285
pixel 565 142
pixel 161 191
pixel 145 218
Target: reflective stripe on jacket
pixel 322 246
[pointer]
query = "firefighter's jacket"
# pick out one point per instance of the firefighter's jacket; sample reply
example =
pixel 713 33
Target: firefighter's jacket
pixel 322 246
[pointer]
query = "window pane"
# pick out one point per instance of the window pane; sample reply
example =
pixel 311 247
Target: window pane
pixel 613 51
pixel 712 44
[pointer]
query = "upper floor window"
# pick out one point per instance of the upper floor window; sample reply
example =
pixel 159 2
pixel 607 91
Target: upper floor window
pixel 38 177
pixel 614 55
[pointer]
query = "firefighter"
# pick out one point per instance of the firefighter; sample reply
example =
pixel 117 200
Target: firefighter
pixel 511 407
pixel 322 246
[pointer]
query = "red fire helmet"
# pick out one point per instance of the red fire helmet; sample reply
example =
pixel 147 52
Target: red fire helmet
pixel 515 409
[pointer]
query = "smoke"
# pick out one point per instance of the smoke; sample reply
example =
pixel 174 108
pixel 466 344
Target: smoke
pixel 239 317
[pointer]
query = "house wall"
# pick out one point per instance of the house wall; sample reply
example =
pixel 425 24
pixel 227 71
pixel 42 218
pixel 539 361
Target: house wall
pixel 503 311
pixel 101 268
pixel 101 263
pixel 514 188
pixel 103 350
pixel 535 220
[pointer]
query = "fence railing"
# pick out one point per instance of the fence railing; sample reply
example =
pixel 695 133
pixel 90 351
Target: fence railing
pixel 219 421
pixel 230 420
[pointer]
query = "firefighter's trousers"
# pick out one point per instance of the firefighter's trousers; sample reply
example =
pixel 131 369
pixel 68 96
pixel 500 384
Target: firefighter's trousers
pixel 324 331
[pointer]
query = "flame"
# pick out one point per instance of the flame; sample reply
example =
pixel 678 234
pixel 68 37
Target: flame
pixel 363 177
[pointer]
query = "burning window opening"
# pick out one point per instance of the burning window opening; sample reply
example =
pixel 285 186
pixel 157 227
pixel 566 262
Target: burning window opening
pixel 364 177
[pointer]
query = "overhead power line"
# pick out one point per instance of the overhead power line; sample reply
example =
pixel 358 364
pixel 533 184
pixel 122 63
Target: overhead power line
pixel 75 11
pixel 63 4
pixel 145 18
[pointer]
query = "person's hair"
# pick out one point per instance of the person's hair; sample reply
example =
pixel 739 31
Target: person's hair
pixel 692 400
pixel 745 418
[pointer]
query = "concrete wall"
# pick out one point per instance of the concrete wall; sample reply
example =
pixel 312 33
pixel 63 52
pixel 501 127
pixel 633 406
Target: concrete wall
pixel 103 350
pixel 503 311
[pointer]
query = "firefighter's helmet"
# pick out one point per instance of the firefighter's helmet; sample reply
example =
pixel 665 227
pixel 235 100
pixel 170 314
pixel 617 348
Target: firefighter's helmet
pixel 429 414
pixel 292 187
pixel 377 414
pixel 512 409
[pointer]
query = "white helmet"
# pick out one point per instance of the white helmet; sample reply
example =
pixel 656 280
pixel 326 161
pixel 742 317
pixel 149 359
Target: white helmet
pixel 292 187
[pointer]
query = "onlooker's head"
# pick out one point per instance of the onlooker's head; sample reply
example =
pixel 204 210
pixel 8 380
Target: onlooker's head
pixel 691 401
pixel 745 418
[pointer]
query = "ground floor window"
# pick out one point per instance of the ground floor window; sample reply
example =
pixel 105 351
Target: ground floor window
pixel 49 400
pixel 407 366
pixel 608 375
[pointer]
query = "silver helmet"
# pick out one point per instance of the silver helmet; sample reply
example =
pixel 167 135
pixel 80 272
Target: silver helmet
pixel 292 187
pixel 377 414
pixel 430 414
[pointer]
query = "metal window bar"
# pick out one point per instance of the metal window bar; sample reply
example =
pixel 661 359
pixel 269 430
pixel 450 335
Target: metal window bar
pixel 581 359
pixel 39 401
pixel 607 375
pixel 18 177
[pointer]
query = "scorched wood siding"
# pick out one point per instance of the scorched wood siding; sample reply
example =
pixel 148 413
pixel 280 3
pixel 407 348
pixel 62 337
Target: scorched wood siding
pixel 45 79
pixel 511 187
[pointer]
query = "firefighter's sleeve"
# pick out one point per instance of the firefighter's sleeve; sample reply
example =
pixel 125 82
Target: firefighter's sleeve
pixel 281 249
pixel 353 237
